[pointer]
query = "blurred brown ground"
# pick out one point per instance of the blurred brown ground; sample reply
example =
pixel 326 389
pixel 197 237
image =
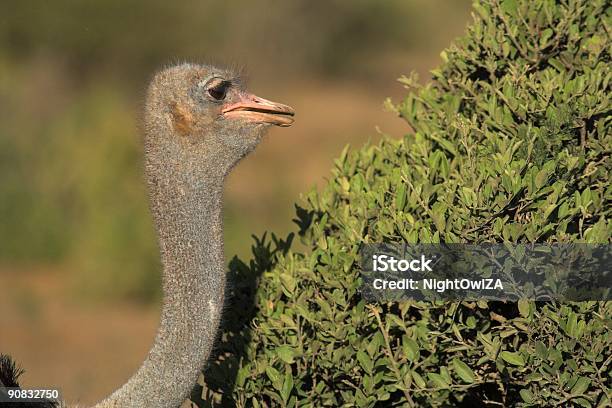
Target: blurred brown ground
pixel 68 335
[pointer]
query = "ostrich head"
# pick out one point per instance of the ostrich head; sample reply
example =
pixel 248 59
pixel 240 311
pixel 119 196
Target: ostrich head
pixel 196 111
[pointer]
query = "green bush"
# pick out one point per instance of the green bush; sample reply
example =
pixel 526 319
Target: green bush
pixel 510 141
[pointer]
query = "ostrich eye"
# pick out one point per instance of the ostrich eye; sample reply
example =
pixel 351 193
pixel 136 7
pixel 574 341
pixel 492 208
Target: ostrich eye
pixel 218 90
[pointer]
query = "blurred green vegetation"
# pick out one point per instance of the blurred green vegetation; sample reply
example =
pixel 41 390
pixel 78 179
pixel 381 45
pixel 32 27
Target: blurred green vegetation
pixel 72 76
pixel 128 38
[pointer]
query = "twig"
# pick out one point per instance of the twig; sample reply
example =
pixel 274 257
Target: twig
pixel 390 355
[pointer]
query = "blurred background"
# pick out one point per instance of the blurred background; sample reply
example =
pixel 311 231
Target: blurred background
pixel 79 272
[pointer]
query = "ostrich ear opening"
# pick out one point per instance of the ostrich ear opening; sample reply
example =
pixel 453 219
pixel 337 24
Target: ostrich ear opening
pixel 182 119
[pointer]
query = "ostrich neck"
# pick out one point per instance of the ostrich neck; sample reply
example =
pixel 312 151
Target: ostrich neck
pixel 186 201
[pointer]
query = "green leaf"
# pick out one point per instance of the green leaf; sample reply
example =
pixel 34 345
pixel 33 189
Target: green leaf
pixel 541 350
pixel 523 306
pixel 545 35
pixel 287 386
pixel 583 402
pixel 418 380
pixel 410 348
pixel 288 282
pixel 285 353
pixel 437 380
pixel 400 197
pixel 581 386
pixel 275 377
pixel 526 395
pixel 463 371
pixel 512 358
pixel 509 6
pixel 483 12
pixel 242 375
pixel 364 361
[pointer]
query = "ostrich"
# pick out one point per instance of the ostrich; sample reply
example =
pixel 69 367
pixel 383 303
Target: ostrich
pixel 199 121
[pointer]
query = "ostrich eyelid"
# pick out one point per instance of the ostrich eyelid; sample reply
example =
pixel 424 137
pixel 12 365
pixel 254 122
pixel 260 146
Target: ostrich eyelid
pixel 216 88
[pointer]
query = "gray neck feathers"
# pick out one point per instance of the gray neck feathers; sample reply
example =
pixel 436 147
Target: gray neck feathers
pixel 186 187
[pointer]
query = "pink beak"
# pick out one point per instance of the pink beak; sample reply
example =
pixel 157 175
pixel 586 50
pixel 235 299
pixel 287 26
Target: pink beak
pixel 260 110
